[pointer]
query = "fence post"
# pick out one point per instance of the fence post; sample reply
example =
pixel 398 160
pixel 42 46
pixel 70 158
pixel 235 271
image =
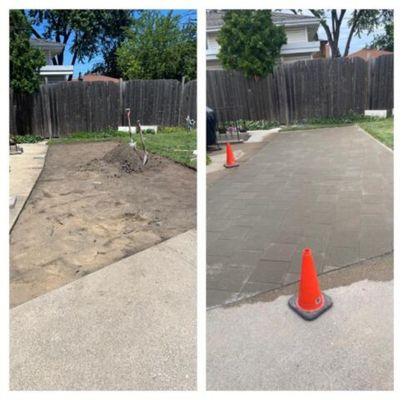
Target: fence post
pixel 369 84
pixel 121 104
pixel 48 109
pixel 282 94
pixel 182 93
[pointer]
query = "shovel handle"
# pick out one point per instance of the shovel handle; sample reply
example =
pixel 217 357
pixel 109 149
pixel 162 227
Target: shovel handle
pixel 141 135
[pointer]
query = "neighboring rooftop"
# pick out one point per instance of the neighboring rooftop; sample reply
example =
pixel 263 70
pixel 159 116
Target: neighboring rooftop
pixel 52 73
pixel 98 78
pixel 215 19
pixel 46 45
pixel 366 54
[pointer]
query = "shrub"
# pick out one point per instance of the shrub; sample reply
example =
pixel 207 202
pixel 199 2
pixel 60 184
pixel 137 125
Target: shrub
pixel 27 138
pixel 252 125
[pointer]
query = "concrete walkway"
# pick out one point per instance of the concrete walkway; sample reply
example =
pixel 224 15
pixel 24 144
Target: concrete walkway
pixel 261 135
pixel 128 326
pixel 25 169
pixel 263 345
pixel 328 189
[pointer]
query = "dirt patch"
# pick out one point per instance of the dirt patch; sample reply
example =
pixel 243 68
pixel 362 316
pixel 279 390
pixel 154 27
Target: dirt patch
pixel 129 159
pixel 89 209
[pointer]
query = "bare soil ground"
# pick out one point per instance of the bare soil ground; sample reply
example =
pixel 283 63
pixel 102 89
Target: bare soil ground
pixel 89 210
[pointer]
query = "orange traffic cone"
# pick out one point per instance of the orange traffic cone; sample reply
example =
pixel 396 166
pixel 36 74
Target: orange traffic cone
pixel 231 161
pixel 311 302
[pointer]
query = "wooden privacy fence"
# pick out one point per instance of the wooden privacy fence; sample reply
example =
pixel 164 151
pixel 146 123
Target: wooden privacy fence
pixel 302 90
pixel 60 109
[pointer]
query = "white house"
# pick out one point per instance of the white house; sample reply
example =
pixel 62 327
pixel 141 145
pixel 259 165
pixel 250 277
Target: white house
pixel 49 72
pixel 301 31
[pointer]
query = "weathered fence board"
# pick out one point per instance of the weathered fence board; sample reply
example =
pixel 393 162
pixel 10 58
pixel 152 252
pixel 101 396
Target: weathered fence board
pixel 381 83
pixel 60 109
pixel 303 90
pixel 189 103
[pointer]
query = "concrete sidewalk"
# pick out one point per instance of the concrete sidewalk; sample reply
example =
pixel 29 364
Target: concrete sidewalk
pixel 128 326
pixel 261 344
pixel 25 169
pixel 327 189
pixel 261 135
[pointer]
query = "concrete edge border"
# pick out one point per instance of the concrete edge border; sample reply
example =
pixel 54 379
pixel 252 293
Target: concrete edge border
pixel 330 271
pixel 165 242
pixel 30 192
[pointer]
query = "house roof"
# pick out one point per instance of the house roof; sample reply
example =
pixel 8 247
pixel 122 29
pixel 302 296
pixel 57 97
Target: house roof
pixel 369 53
pixel 47 45
pixel 214 20
pixel 99 78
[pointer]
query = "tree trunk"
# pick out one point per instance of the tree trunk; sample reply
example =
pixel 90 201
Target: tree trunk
pixel 352 30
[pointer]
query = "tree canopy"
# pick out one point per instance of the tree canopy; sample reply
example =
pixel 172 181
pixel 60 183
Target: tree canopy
pixel 25 61
pixel 159 47
pixel 359 21
pixel 151 45
pixel 250 42
pixel 116 24
pixel 384 41
pixel 85 33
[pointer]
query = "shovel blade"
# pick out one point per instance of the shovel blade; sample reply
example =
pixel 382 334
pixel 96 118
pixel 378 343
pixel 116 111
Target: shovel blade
pixel 145 159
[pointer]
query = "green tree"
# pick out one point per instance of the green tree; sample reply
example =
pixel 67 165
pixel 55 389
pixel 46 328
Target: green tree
pixel 187 50
pixel 85 33
pixel 159 47
pixel 25 61
pixel 384 41
pixel 250 42
pixel 116 24
pixel 359 21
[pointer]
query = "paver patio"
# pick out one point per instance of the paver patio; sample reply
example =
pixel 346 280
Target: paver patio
pixel 328 189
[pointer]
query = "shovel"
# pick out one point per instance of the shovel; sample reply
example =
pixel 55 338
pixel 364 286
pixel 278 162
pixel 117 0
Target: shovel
pixel 145 158
pixel 132 143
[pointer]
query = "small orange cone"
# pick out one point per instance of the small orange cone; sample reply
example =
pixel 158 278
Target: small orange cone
pixel 231 161
pixel 311 302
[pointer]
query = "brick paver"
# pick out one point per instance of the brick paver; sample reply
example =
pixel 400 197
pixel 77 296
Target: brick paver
pixel 328 189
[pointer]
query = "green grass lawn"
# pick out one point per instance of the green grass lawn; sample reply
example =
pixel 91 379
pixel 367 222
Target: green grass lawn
pixel 381 129
pixel 175 143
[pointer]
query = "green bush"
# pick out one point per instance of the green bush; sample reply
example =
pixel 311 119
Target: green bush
pixel 252 125
pixel 27 138
pixel 345 119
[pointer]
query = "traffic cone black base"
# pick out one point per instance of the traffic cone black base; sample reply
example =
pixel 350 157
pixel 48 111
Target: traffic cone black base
pixel 310 315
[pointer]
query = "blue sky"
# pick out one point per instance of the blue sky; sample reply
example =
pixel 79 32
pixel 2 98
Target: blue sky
pixel 83 67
